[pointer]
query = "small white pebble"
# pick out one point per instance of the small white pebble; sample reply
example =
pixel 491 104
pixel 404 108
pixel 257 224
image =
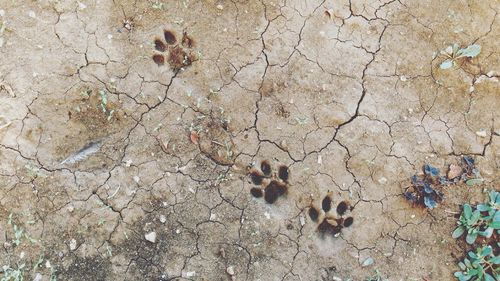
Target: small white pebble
pixel 482 133
pixel 267 215
pixel 220 7
pixel 320 159
pixel 110 36
pixel 72 244
pixel 412 216
pixel 31 14
pixel 402 78
pixel 2 13
pixel 128 163
pixel 137 179
pixel 151 237
pixel 81 6
pixel 382 180
pixel 190 274
pixel 230 270
pixel 163 218
pixel 38 277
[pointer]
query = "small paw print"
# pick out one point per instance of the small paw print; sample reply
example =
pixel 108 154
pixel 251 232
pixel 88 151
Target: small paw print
pixel 329 223
pixel 179 54
pixel 269 185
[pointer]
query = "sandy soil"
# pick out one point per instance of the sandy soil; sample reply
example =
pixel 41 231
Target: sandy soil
pixel 128 130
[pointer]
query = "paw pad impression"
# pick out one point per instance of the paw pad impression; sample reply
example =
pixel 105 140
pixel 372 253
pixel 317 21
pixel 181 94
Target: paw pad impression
pixel 180 54
pixel 269 185
pixel 329 223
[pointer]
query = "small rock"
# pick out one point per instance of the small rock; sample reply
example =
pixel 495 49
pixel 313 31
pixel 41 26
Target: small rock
pixel 382 180
pixel 71 208
pixel 402 78
pixel 284 145
pixel 72 244
pixel 481 133
pixel 47 264
pixel 220 7
pixel 335 278
pixel 190 274
pixel 38 277
pixel 230 270
pixel 302 220
pixel 151 237
pixel 454 171
pixel 137 179
pixel 163 218
pixel 32 14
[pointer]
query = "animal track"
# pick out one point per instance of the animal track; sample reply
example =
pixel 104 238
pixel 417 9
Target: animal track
pixel 331 224
pixel 179 55
pixel 269 185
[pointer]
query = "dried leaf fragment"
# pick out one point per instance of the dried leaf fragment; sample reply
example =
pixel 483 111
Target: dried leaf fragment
pixel 194 137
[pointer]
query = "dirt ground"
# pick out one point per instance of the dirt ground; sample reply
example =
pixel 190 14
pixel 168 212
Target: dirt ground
pixel 128 130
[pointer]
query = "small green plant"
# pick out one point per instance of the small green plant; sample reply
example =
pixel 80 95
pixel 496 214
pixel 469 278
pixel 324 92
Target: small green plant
pixel 13 274
pixel 481 265
pixel 454 53
pixel 104 104
pixel 483 220
pixel 376 277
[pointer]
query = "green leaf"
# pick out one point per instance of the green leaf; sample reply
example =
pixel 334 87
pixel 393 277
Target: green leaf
pixel 488 277
pixel 471 51
pixel 472 182
pixel 495 260
pixel 495 225
pixel 467 211
pixel 483 208
pixel 462 266
pixel 458 232
pixel 461 276
pixel 446 64
pixel 471 238
pixel 486 251
pixel 475 217
pixel 467 262
pixel 487 233
pixel 496 218
pixel 472 272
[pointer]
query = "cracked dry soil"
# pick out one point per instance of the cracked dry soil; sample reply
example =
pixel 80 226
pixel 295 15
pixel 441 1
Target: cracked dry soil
pixel 182 100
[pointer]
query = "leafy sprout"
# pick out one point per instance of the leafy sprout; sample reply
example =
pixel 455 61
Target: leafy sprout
pixel 454 52
pixel 424 192
pixel 481 265
pixel 482 220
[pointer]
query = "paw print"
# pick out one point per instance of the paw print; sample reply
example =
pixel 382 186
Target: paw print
pixel 179 53
pixel 329 223
pixel 269 185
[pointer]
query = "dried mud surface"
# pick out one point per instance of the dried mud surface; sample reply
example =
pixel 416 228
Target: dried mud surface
pixel 346 93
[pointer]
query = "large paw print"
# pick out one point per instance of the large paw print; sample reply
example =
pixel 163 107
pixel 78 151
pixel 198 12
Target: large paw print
pixel 329 223
pixel 269 185
pixel 179 55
